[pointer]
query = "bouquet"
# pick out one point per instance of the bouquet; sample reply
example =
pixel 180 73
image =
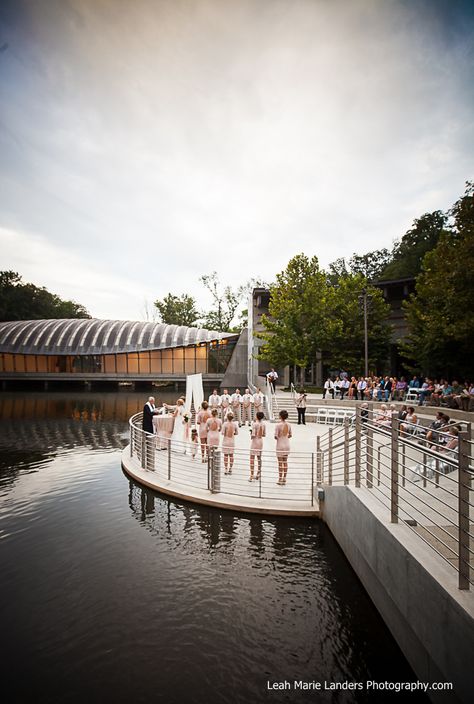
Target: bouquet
pixel 186 417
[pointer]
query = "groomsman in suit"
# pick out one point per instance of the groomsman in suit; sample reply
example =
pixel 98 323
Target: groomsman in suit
pixel 149 411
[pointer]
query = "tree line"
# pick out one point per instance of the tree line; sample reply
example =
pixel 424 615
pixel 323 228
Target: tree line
pixel 316 313
pixel 25 301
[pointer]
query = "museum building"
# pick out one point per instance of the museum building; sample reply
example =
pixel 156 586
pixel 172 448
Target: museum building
pixel 112 350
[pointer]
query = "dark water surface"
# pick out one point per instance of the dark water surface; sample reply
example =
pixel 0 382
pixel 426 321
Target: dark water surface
pixel 110 593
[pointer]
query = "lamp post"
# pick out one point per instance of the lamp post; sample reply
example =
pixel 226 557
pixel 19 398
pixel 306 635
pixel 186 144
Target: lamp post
pixel 364 303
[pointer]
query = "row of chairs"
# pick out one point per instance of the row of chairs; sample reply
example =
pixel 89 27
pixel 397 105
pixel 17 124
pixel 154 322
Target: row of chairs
pixel 331 416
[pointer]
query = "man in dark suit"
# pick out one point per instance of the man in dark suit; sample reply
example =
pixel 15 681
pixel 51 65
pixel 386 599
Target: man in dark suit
pixel 149 411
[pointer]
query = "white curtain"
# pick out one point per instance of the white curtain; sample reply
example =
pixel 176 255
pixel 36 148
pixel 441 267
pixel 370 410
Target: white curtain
pixel 194 392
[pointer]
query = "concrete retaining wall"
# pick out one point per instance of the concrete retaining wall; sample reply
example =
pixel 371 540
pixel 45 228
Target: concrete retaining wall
pixel 414 591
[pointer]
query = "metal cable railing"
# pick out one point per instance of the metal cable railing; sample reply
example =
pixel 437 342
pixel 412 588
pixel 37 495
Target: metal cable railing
pixel 427 483
pixel 262 476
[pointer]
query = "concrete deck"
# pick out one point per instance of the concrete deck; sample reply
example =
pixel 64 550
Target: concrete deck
pixel 189 480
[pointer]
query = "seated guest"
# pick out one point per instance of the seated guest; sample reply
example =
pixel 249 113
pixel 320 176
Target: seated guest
pixel 328 387
pixel 400 389
pixel 411 420
pixel 383 417
pixel 364 412
pixel 344 386
pixel 456 391
pixel 402 413
pixel 427 389
pixel 466 397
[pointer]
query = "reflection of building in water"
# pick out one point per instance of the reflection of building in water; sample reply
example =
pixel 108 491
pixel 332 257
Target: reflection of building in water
pixel 112 350
pixel 86 406
pixel 49 433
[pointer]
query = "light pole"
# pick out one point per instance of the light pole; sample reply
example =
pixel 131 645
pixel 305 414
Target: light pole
pixel 364 302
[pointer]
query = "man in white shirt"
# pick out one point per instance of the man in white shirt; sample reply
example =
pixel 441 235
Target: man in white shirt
pixel 328 387
pixel 225 403
pixel 361 387
pixel 258 401
pixel 344 386
pixel 214 400
pixel 272 377
pixel 247 400
pixel 236 403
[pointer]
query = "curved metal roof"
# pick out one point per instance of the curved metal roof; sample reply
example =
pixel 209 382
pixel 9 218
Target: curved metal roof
pixel 80 336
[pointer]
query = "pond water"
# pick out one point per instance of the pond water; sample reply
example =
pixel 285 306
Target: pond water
pixel 110 593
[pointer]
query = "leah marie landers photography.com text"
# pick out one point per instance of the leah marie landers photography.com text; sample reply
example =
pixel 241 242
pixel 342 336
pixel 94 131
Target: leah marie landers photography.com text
pixel 369 685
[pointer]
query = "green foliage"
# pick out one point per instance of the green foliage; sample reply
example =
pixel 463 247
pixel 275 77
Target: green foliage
pixel 312 312
pixel 225 303
pixel 407 255
pixel 369 265
pixel 346 348
pixel 19 301
pixel 178 310
pixel 439 315
pixel 298 326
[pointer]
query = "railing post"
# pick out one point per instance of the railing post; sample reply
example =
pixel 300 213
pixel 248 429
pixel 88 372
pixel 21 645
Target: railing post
pixel 394 470
pixel 312 479
pixel 330 456
pixel 131 440
pixel 463 508
pixel 369 449
pixel 357 447
pixel 143 457
pixel 404 448
pixel 319 473
pixel 169 459
pixel 346 451
pixel 150 452
pixel 215 461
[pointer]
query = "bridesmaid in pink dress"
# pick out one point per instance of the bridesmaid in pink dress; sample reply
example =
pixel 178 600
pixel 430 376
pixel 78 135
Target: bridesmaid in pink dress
pixel 201 420
pixel 213 425
pixel 282 437
pixel 258 432
pixel 229 429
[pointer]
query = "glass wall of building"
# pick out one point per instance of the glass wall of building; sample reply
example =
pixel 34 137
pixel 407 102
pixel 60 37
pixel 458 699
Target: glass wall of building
pixel 203 358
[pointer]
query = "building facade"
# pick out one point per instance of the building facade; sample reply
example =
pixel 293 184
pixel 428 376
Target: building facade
pixel 111 350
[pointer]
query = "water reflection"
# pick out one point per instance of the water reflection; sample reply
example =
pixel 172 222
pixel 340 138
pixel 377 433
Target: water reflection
pixel 111 592
pixel 295 598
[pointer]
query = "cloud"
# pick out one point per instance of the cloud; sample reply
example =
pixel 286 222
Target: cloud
pixel 157 142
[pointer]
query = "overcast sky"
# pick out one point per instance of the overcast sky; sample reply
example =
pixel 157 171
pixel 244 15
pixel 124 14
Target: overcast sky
pixel 144 143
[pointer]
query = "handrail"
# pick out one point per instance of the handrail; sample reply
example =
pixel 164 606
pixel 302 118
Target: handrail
pixel 413 481
pixel 417 484
pixel 175 461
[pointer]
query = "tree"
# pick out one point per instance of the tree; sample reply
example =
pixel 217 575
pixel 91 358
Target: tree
pixel 19 301
pixel 178 310
pixel 346 347
pixel 298 326
pixel 439 314
pixel 225 302
pixel 407 255
pixel 370 265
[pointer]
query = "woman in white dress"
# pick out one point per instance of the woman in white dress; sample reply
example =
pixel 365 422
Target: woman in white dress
pixel 179 434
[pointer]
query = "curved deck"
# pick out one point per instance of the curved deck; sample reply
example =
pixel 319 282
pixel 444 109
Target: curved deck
pixel 173 470
pixel 232 502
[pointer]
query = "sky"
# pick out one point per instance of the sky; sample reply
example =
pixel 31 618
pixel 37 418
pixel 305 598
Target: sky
pixel 146 143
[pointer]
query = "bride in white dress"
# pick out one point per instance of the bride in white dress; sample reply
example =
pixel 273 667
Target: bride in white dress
pixel 179 434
